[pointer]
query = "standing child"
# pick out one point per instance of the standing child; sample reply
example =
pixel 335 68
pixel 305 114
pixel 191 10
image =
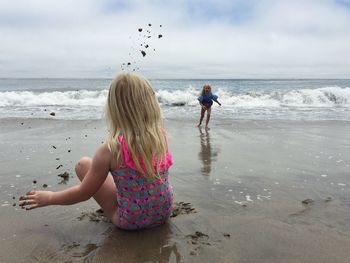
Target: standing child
pixel 128 176
pixel 206 100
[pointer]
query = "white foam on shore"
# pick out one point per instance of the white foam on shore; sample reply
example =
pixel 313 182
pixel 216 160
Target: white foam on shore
pixel 241 202
pixel 62 98
pixel 321 97
pixel 247 197
pixel 88 104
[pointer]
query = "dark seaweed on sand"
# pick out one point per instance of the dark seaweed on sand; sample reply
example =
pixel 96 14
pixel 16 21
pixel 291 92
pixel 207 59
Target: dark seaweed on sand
pixel 65 177
pixel 182 208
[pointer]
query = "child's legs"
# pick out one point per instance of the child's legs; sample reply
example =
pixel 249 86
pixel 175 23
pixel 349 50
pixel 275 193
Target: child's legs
pixel 202 116
pixel 106 195
pixel 208 116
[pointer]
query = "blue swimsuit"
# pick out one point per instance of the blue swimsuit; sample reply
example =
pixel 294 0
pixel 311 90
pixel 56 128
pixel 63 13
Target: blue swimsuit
pixel 207 100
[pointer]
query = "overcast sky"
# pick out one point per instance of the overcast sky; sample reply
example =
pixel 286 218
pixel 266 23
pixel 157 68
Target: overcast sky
pixel 201 39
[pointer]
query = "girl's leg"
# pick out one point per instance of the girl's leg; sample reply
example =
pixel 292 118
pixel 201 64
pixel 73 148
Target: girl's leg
pixel 208 117
pixel 106 195
pixel 202 116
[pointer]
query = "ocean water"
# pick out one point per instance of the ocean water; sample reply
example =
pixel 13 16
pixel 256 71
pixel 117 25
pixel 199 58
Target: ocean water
pixel 323 99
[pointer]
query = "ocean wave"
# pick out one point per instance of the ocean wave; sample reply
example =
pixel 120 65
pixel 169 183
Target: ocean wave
pixel 321 97
pixel 53 98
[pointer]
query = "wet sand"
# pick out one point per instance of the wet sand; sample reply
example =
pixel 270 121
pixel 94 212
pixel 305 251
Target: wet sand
pixel 245 180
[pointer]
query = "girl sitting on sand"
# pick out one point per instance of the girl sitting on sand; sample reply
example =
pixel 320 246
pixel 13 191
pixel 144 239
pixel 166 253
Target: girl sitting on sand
pixel 128 176
pixel 206 100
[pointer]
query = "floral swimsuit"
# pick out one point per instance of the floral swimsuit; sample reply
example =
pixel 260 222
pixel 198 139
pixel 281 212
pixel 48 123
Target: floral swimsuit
pixel 143 202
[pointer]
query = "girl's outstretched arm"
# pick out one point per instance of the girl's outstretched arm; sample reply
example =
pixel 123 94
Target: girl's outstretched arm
pixel 93 180
pixel 217 102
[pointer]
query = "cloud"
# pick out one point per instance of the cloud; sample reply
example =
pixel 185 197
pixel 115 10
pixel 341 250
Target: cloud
pixel 202 39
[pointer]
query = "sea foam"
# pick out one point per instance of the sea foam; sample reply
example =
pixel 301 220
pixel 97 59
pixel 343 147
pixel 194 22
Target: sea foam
pixel 321 97
pixel 63 98
pixel 87 104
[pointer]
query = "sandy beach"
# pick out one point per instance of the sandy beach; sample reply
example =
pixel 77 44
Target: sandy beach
pixel 246 191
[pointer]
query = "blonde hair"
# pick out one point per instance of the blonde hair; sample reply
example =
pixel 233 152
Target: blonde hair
pixel 203 89
pixel 132 110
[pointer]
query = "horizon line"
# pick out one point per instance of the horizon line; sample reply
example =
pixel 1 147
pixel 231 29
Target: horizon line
pixel 108 78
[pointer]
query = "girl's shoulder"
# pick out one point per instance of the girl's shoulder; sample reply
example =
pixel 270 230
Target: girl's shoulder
pixel 103 150
pixel 103 156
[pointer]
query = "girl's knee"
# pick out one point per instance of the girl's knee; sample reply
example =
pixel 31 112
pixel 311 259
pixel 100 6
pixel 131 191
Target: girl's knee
pixel 82 166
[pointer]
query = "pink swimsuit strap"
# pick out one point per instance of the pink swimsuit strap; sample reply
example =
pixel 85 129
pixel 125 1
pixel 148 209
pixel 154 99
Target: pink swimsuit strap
pixel 165 163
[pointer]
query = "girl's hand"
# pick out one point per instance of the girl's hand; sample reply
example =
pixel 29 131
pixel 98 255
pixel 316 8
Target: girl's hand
pixel 203 107
pixel 35 199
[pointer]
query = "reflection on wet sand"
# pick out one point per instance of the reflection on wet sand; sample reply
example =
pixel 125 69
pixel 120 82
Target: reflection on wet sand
pixel 110 244
pixel 149 245
pixel 206 154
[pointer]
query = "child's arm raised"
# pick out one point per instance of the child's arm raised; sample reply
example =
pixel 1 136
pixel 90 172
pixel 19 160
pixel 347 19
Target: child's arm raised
pixel 93 180
pixel 217 102
pixel 215 98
